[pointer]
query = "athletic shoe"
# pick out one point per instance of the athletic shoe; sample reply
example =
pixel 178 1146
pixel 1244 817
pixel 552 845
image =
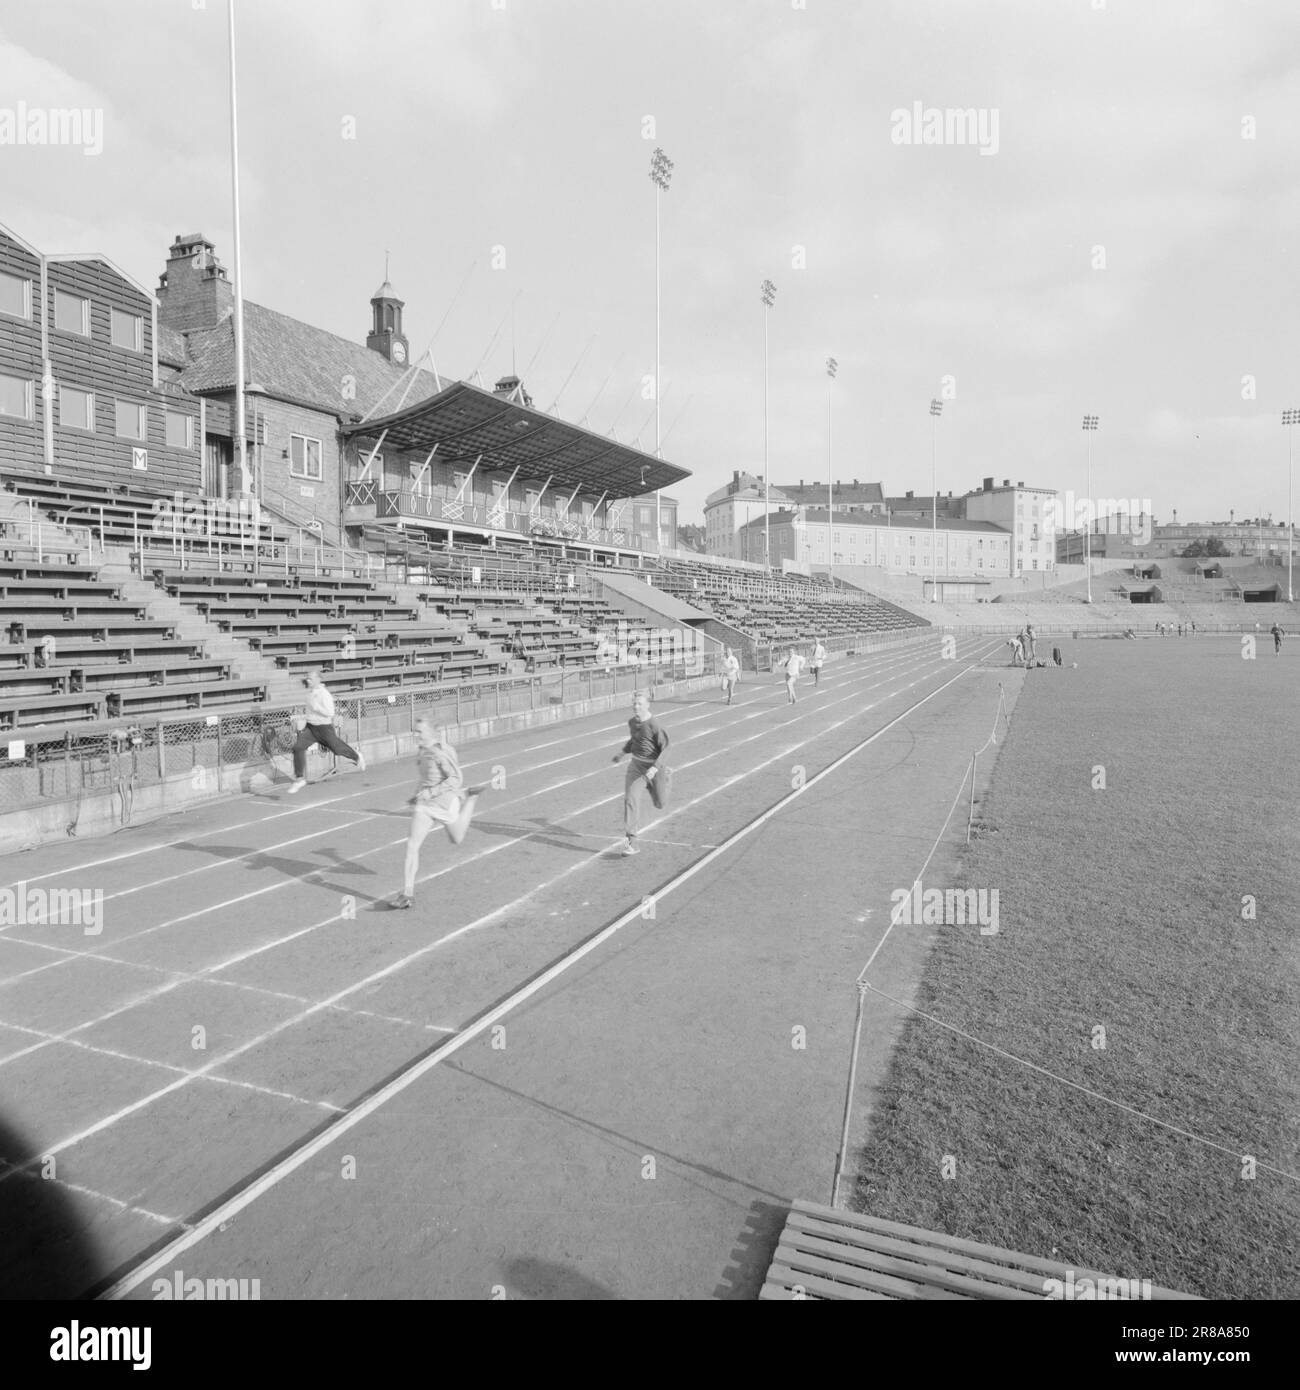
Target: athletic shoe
pixel 479 790
pixel 402 900
pixel 630 848
pixel 361 762
pixel 298 785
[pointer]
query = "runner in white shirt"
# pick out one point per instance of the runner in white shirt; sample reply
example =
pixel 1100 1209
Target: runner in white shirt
pixel 793 665
pixel 319 728
pixel 818 660
pixel 730 674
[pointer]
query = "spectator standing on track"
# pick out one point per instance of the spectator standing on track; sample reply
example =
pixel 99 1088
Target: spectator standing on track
pixel 1017 651
pixel 1030 653
pixel 441 799
pixel 730 674
pixel 318 727
pixel 1180 629
pixel 817 662
pixel 646 745
pixel 793 665
pixel 1278 635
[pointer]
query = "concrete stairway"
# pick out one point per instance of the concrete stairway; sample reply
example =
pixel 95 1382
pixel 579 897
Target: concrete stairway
pixel 282 688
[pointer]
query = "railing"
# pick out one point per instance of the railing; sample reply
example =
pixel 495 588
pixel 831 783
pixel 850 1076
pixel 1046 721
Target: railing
pixel 485 517
pixel 72 761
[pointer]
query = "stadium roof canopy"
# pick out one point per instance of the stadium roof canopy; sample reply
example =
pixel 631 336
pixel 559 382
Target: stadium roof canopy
pixel 466 423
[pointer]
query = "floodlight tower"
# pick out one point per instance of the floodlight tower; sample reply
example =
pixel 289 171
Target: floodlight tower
pixel 1089 427
pixel 936 410
pixel 832 366
pixel 768 292
pixel 661 173
pixel 1290 418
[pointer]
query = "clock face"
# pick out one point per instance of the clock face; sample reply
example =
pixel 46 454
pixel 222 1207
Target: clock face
pixel 399 352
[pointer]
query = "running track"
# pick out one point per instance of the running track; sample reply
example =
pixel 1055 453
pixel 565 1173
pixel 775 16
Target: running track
pixel 250 992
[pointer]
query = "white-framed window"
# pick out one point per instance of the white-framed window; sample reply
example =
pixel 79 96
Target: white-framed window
pixel 126 330
pixel 305 458
pixel 71 313
pixel 15 296
pixel 16 397
pixel 180 430
pixel 130 421
pixel 76 408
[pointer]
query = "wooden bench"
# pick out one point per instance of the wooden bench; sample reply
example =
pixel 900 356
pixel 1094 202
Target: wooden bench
pixel 826 1253
pixel 33 680
pixel 22 711
pixel 112 675
pixel 128 631
pixel 202 695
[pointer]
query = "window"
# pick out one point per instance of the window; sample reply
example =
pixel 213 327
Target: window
pixel 15 296
pixel 16 397
pixel 130 420
pixel 180 430
pixel 71 313
pixel 126 330
pixel 76 408
pixel 305 458
pixel 1035 564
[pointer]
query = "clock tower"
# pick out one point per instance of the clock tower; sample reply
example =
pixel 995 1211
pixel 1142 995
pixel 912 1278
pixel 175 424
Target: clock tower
pixel 386 334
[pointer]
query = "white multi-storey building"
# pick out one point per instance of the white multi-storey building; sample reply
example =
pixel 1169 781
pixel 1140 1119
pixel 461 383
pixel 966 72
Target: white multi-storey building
pixel 1024 512
pixel 808 537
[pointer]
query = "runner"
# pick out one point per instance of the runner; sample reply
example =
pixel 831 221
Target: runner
pixel 1278 635
pixel 818 660
pixel 441 799
pixel 793 665
pixel 318 727
pixel 730 674
pixel 647 744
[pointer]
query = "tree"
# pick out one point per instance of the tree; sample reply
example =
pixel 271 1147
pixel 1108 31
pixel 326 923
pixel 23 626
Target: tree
pixel 1214 546
pixel 1194 551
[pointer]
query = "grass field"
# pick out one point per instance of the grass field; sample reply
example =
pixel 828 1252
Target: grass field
pixel 1120 909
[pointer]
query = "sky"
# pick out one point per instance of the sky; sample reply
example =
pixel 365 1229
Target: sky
pixel 1114 233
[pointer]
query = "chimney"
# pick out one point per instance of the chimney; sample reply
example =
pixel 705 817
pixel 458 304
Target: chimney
pixel 1006 482
pixel 195 290
pixel 988 484
pixel 1020 484
pixel 909 496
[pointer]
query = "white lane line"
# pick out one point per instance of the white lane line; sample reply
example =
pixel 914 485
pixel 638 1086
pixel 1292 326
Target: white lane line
pixel 104 1197
pixel 395 966
pixel 276 1174
pixel 302 809
pixel 854 688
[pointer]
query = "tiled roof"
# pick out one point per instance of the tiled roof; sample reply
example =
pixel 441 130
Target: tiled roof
pixel 812 493
pixel 293 360
pixel 171 347
pixel 866 519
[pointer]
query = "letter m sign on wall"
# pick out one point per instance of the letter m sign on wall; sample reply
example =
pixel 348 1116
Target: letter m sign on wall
pixel 140 460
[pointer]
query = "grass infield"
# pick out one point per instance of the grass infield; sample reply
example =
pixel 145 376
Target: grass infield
pixel 1120 909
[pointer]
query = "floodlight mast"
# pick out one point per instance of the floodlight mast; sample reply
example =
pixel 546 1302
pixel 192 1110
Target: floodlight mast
pixel 1290 418
pixel 936 410
pixel 661 173
pixel 1090 423
pixel 768 292
pixel 832 366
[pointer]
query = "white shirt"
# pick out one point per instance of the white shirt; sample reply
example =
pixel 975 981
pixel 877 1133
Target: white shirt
pixel 731 666
pixel 320 706
pixel 819 654
pixel 794 665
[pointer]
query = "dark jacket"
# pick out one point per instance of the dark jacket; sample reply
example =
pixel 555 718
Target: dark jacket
pixel 648 741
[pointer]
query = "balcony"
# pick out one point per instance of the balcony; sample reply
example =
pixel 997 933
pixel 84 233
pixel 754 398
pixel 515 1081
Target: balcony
pixel 367 502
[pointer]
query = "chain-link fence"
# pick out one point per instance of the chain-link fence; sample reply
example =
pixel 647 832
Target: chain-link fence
pixel 67 763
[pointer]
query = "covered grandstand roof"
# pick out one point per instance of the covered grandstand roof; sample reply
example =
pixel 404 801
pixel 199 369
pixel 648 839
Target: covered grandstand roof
pixel 465 422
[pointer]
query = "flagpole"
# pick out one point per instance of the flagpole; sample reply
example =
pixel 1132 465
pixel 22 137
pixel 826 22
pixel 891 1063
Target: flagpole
pixel 237 422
